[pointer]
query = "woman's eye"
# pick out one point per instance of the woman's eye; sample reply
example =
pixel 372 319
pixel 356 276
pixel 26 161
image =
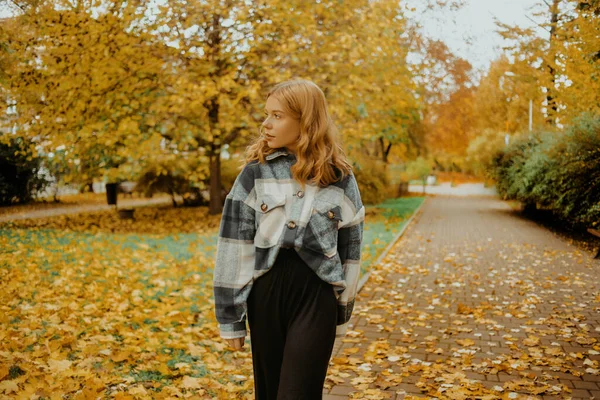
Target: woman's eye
pixel 276 116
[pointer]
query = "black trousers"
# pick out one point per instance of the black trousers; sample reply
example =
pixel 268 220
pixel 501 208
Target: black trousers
pixel 292 317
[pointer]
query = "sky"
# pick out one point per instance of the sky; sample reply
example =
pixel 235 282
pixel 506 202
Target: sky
pixel 470 32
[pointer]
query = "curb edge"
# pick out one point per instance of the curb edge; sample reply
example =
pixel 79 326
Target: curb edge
pixel 366 276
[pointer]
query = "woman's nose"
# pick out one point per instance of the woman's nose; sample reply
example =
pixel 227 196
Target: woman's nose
pixel 266 123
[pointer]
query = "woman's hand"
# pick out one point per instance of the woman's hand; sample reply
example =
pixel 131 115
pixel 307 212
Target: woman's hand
pixel 237 343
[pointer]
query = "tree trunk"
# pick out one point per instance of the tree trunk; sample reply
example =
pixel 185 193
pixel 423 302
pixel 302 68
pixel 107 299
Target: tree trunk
pixel 216 203
pixel 385 150
pixel 214 149
pixel 56 192
pixel 552 107
pixel 171 192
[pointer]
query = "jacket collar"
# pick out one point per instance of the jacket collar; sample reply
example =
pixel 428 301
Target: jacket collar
pixel 279 152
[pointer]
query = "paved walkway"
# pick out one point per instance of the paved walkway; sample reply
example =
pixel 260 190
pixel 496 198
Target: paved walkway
pixel 474 301
pixel 446 189
pixel 76 209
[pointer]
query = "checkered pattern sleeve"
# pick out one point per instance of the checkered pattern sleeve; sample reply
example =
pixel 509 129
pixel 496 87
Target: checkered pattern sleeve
pixel 234 261
pixel 350 236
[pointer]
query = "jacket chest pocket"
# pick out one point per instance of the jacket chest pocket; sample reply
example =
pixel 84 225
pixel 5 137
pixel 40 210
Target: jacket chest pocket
pixel 322 228
pixel 270 217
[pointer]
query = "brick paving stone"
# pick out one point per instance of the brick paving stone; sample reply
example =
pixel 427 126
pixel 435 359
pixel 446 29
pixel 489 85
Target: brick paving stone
pixel 489 384
pixel 342 390
pixel 334 397
pixel 563 375
pixel 476 376
pixel 585 385
pixel 567 383
pixel 584 394
pixel 408 388
pixel 502 377
pixel 483 281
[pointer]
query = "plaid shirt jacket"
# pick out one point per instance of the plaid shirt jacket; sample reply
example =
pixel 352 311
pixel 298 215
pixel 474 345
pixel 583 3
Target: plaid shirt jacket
pixel 267 209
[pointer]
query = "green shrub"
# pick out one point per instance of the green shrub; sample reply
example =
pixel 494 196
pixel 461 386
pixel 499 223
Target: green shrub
pixel 525 165
pixel 184 177
pixel 419 169
pixel 508 165
pixel 20 177
pixel 557 170
pixel 372 179
pixel 481 152
pixel 577 177
pixel 535 177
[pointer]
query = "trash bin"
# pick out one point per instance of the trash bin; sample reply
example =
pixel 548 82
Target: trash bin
pixel 111 193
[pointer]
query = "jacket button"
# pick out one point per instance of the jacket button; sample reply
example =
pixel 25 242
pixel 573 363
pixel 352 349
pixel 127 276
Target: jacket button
pixel 300 194
pixel 291 224
pixel 264 207
pixel 330 214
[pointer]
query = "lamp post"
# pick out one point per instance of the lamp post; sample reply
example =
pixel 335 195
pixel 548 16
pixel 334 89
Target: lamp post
pixel 501 82
pixel 512 74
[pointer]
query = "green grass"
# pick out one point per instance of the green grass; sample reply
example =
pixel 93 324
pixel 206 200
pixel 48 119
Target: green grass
pixel 380 228
pixel 379 231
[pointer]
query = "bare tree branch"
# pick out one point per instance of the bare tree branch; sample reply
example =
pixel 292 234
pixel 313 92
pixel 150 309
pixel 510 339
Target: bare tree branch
pixel 538 24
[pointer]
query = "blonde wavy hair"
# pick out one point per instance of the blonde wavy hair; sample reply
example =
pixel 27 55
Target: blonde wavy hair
pixel 318 152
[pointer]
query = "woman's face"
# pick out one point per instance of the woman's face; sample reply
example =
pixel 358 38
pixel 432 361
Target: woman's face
pixel 281 129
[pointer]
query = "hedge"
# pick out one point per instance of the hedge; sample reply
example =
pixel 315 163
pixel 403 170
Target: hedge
pixel 557 170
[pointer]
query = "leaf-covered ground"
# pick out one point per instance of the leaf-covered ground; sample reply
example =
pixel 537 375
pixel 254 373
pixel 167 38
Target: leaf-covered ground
pixel 96 306
pixel 474 303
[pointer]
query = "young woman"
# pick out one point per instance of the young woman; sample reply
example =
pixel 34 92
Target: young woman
pixel 288 253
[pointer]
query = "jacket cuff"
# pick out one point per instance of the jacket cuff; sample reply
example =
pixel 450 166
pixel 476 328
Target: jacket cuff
pixel 234 330
pixel 340 330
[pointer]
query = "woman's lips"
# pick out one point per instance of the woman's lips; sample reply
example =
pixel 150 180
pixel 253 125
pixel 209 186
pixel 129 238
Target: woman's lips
pixel 269 136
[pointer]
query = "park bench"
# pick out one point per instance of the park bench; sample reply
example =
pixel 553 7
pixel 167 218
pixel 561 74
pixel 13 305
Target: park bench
pixel 595 232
